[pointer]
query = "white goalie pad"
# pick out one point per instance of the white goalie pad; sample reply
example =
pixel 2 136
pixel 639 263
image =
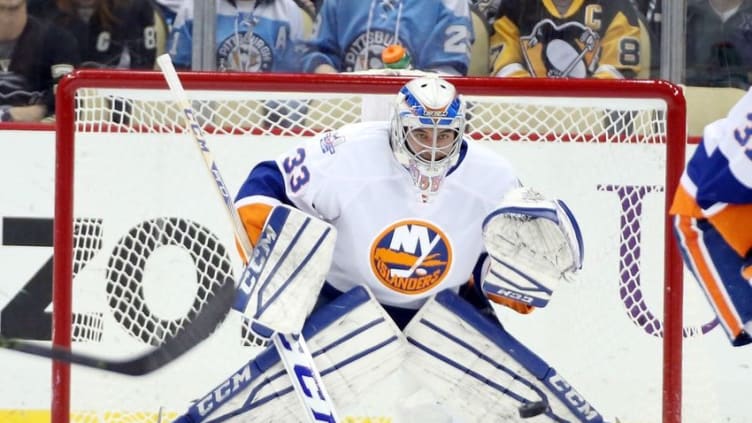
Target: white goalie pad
pixel 483 374
pixel 356 348
pixel 284 276
pixel 532 244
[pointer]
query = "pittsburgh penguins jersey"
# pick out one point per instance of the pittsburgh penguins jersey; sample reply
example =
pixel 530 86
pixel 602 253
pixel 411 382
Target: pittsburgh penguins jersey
pixel 717 182
pixel 402 248
pixel 42 54
pixel 251 36
pixel 128 42
pixel 349 35
pixel 593 38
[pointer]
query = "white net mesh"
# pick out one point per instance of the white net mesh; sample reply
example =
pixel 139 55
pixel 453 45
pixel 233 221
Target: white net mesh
pixel 294 114
pixel 152 240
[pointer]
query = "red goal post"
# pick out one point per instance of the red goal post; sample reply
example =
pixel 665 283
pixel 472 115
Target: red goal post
pixel 560 133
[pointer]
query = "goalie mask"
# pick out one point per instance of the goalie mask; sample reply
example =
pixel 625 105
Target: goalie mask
pixel 427 126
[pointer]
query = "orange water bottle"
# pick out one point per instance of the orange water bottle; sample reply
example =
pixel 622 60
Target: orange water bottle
pixel 395 56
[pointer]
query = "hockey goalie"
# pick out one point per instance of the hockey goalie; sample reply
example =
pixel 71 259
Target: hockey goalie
pixel 395 309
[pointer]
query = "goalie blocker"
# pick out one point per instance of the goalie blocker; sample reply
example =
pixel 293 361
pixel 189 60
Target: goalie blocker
pixel 532 244
pixel 286 271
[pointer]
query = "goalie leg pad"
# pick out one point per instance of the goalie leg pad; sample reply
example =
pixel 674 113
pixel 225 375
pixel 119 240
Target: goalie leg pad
pixel 532 244
pixel 255 386
pixel 281 282
pixel 480 371
pixel 354 344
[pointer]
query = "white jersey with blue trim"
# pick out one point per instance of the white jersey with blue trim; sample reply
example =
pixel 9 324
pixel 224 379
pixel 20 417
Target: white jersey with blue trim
pixel 721 170
pixel 251 36
pixel 402 248
pixel 349 35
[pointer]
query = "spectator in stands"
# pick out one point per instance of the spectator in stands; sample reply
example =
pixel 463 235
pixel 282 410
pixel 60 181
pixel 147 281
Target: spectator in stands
pixel 488 8
pixel 310 6
pixel 168 9
pixel 351 34
pixel 650 10
pixel 33 56
pixel 650 15
pixel 111 33
pixel 566 38
pixel 719 43
pixel 251 36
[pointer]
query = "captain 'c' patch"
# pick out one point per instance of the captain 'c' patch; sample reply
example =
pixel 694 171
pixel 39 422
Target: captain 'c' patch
pixel 411 256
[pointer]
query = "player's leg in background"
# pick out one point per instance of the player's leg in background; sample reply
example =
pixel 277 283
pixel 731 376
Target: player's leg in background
pixel 723 275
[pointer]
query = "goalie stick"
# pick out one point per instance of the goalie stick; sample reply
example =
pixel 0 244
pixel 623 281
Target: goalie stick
pixel 292 348
pixel 188 336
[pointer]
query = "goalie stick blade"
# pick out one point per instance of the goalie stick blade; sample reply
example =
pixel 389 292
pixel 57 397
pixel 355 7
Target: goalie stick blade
pixel 195 331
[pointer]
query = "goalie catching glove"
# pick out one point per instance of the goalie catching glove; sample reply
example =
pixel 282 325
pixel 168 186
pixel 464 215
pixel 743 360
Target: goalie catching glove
pixel 532 243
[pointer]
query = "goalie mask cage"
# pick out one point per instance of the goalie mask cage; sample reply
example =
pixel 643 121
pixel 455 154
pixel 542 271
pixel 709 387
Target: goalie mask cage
pixel 140 237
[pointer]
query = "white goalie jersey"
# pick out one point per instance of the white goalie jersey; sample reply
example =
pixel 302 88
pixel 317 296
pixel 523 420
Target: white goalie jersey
pixel 405 250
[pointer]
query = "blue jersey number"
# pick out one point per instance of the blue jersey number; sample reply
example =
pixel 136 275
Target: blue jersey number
pixel 297 173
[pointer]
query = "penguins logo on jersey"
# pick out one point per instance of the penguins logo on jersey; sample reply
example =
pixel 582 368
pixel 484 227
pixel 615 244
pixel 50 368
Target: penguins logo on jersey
pixel 244 52
pixel 411 256
pixel 568 50
pixel 365 50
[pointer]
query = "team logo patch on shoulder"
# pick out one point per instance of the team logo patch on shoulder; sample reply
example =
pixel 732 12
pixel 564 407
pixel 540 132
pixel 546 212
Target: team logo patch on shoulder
pixel 330 140
pixel 411 256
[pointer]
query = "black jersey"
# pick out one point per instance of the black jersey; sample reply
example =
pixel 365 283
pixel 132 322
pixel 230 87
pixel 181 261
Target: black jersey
pixel 651 12
pixel 593 38
pixel 42 54
pixel 129 42
pixel 719 51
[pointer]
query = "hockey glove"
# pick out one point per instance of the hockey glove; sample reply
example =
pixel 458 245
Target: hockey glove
pixel 532 244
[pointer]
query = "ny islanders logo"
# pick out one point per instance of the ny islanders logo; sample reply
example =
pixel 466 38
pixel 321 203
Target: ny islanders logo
pixel 411 256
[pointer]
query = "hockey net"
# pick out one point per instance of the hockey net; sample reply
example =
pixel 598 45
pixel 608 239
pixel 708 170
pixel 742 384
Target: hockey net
pixel 141 237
